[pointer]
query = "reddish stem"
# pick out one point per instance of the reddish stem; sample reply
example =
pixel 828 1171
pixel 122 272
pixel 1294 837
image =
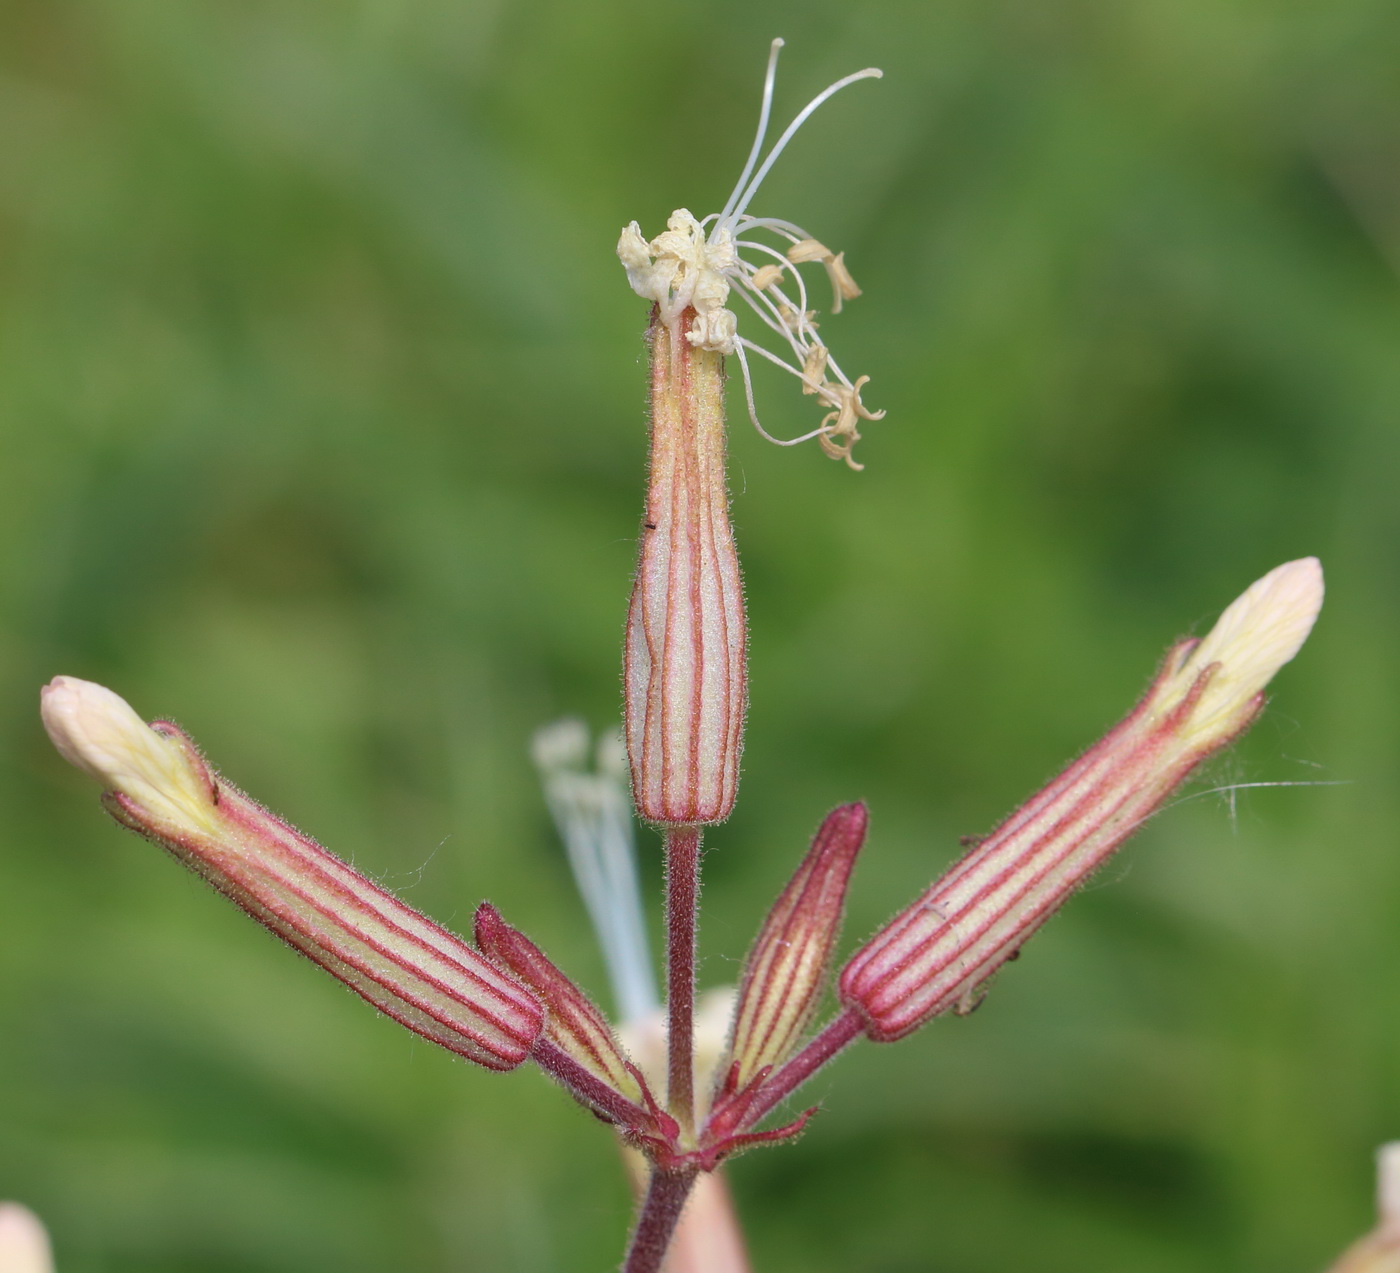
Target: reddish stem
pixel 661 1211
pixel 682 898
pixel 840 1032
pixel 588 1088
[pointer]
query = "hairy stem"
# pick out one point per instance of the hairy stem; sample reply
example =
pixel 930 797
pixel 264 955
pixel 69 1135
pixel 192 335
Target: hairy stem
pixel 838 1034
pixel 588 1088
pixel 661 1211
pixel 682 896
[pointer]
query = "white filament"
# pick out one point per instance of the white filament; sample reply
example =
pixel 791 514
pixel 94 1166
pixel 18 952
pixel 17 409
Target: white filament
pixel 593 814
pixel 870 73
pixel 765 111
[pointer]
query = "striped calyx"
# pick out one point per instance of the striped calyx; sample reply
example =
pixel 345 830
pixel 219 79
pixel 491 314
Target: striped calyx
pixel 936 955
pixel 786 968
pixel 684 677
pixel 156 783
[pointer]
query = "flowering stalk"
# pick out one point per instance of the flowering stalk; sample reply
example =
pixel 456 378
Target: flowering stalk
pixel 708 1238
pixel 938 954
pixel 665 1199
pixel 684 673
pixel 682 909
pixel 156 783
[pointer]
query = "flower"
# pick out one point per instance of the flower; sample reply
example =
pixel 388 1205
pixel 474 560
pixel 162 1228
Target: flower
pixel 685 675
pixel 690 268
pixel 594 817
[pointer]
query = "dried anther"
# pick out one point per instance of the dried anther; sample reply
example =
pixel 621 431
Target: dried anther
pixel 840 433
pixel 843 286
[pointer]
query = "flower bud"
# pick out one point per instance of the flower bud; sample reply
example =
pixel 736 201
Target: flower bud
pixel 572 1021
pixel 684 673
pixel 787 965
pixel 937 954
pixel 156 783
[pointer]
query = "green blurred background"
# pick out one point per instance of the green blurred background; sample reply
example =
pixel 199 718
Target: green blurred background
pixel 321 394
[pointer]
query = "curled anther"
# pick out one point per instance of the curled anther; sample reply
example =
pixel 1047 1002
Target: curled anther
pixel 690 269
pixel 814 369
pixel 765 276
pixel 839 429
pixel 713 329
pixel 802 323
pixel 843 286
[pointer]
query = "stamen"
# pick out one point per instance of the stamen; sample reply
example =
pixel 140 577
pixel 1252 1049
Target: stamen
pixel 690 269
pixel 765 276
pixel 763 115
pixel 870 73
pixel 843 286
pixel 739 346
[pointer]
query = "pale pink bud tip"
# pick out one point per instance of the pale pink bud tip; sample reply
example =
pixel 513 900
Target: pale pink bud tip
pixel 96 731
pixel 1256 635
pixel 409 968
pixel 24 1245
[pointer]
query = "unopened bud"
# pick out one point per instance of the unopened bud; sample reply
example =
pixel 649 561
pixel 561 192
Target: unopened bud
pixel 684 673
pixel 96 731
pixel 572 1021
pixel 411 969
pixel 936 955
pixel 787 965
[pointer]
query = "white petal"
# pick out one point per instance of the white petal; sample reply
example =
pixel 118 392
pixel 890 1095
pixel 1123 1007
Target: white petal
pixel 1258 633
pixel 96 731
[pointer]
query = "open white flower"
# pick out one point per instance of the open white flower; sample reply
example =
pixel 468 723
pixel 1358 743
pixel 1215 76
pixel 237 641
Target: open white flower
pixel 693 264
